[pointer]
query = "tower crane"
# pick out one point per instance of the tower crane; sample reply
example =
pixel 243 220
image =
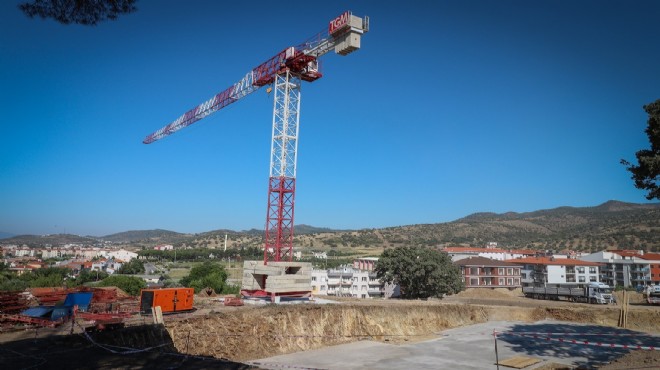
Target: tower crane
pixel 285 71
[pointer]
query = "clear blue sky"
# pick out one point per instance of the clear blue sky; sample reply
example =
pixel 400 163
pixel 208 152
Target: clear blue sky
pixel 449 108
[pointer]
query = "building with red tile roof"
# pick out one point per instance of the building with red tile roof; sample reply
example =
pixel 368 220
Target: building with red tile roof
pixel 458 253
pixel 482 272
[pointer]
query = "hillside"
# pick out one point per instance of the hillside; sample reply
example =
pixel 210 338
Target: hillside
pixel 610 225
pixel 50 240
pixel 157 236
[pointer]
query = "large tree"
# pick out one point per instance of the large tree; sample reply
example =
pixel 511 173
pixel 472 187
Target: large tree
pixel 85 12
pixel 646 173
pixel 208 274
pixel 420 272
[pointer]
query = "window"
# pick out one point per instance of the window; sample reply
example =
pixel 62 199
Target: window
pixel 581 279
pixel 474 270
pixel 509 281
pixel 516 281
pixel 509 272
pixel 500 271
pixel 322 287
pixel 592 279
pixel 501 281
pixel 313 278
pixel 516 271
pixel 364 296
pixel 364 278
pixel 474 282
pixel 580 269
pixel 592 270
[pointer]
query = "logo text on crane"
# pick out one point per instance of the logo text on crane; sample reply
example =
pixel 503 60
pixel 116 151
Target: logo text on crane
pixel 339 23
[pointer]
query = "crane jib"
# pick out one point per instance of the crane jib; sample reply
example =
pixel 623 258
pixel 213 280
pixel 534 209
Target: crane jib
pixel 343 34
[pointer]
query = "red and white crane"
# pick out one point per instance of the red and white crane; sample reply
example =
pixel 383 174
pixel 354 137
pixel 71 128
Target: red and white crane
pixel 286 71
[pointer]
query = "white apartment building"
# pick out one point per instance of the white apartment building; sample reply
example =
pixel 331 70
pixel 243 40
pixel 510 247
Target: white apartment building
pixel 627 268
pixel 346 282
pixel 538 271
pixel 122 255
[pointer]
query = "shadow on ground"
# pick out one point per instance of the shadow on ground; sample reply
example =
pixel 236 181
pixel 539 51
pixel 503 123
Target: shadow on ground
pixel 143 347
pixel 596 344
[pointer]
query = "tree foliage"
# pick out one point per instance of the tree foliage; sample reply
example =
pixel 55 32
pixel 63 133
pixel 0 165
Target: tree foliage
pixel 85 12
pixel 130 284
pixel 208 274
pixel 134 266
pixel 420 272
pixel 646 174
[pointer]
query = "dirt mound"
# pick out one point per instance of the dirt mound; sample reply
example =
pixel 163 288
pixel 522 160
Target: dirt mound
pixel 497 293
pixel 273 330
pixel 635 360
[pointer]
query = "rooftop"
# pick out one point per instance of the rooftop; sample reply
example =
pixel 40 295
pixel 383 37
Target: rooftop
pixel 483 261
pixel 552 261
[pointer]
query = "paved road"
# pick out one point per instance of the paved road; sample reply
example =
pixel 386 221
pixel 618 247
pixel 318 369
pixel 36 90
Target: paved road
pixel 473 347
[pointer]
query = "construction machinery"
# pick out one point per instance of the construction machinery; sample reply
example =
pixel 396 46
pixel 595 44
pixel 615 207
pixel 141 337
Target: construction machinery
pixel 285 72
pixel 170 300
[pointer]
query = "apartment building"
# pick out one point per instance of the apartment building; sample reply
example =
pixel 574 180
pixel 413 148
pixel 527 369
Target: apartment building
pixel 627 268
pixel 346 282
pixel 536 271
pixel 482 272
pixel 459 253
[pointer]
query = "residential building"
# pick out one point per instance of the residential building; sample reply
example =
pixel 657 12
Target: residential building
pixel 123 255
pixel 482 272
pixel 627 268
pixel 164 247
pixel 321 255
pixel 537 271
pixel 459 253
pixel 365 263
pixel 350 282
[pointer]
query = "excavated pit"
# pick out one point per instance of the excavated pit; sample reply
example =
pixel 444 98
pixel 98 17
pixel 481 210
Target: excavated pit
pixel 250 334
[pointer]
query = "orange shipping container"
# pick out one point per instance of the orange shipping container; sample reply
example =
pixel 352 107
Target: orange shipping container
pixel 169 299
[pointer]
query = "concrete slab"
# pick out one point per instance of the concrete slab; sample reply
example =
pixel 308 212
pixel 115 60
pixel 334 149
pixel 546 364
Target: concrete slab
pixel 471 348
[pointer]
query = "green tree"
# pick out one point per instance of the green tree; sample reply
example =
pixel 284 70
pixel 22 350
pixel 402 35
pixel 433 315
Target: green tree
pixel 420 272
pixel 130 284
pixel 646 174
pixel 132 267
pixel 46 277
pixel 208 274
pixel 86 12
pixel 87 276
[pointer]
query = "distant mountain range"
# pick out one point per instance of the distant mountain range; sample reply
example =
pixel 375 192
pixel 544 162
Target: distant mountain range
pixel 612 224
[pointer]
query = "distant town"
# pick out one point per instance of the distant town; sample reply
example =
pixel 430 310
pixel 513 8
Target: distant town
pixel 489 266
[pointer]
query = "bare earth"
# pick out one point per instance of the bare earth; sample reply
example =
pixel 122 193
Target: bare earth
pixel 243 334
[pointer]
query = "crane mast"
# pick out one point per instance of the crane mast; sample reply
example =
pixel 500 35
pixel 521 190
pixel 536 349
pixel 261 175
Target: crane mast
pixel 285 71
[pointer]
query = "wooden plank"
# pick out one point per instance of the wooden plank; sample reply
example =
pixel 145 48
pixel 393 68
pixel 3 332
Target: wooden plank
pixel 519 362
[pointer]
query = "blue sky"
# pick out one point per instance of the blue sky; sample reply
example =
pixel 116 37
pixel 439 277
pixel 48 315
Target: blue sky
pixel 449 108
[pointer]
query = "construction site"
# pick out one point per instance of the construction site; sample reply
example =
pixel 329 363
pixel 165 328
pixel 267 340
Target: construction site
pixel 235 333
pixel 276 313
